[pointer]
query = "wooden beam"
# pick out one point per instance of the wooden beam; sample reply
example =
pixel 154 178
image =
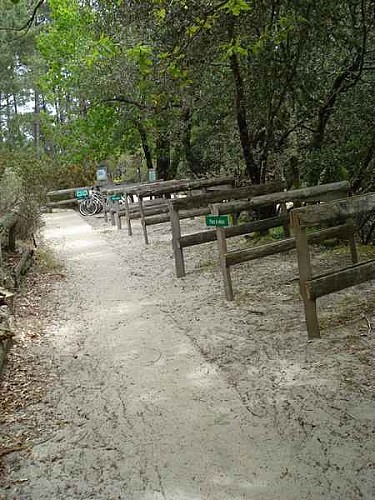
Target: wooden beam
pixel 240 256
pixel 306 194
pixel 117 216
pixel 127 216
pixel 176 247
pixel 141 209
pixel 56 204
pixel 61 192
pixel 341 209
pixel 165 217
pixel 170 187
pixel 339 280
pixel 206 199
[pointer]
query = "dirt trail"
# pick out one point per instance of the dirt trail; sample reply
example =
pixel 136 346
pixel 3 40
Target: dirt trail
pixel 164 391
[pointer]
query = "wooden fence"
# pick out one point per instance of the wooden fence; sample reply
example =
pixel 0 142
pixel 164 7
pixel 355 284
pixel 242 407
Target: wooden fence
pixel 200 205
pixel 313 287
pixel 311 195
pixel 160 212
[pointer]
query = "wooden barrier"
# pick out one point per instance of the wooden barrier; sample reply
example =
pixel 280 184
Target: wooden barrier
pixel 313 194
pixel 163 189
pixel 200 205
pixel 313 287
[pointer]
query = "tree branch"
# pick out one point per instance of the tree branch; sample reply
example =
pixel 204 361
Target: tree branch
pixel 29 22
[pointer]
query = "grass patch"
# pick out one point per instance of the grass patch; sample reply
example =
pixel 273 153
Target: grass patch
pixel 273 234
pixel 205 264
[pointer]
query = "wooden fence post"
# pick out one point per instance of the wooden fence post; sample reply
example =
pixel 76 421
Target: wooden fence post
pixel 352 244
pixel 127 215
pixel 176 235
pixel 112 213
pixel 118 218
pixel 142 212
pixel 223 249
pixel 305 274
pixel 106 211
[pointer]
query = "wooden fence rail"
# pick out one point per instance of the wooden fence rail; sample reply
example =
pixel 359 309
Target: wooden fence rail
pixel 314 194
pixel 312 287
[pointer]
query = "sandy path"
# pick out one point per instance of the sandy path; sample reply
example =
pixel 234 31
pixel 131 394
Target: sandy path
pixel 167 392
pixel 142 414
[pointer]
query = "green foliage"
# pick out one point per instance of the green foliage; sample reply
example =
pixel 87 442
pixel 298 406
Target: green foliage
pixel 236 7
pixel 141 55
pixel 125 75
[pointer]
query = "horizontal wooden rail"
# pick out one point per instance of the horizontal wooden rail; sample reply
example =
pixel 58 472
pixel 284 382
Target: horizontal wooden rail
pixel 338 280
pixel 178 186
pixel 129 188
pixel 62 192
pixel 245 255
pixel 61 203
pixel 206 199
pixel 341 209
pixel 334 190
pixel 184 214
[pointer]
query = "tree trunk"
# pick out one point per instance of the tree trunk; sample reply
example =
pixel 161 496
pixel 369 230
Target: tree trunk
pixel 194 164
pixel 145 145
pixel 252 169
pixel 348 78
pixel 163 158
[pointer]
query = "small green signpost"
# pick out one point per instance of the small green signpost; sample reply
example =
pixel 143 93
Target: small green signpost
pixel 82 193
pixel 218 220
pixel 116 197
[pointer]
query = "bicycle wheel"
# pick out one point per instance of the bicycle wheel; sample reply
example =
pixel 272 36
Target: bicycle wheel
pixel 82 208
pixel 88 207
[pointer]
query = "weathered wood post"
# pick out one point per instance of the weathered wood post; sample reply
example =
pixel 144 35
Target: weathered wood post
pixel 142 212
pixel 223 249
pixel 305 274
pixel 118 218
pixel 176 236
pixel 127 215
pixel 352 243
pixel 112 213
pixel 106 211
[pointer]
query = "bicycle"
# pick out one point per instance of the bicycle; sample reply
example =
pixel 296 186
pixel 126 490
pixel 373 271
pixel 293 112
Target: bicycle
pixel 94 204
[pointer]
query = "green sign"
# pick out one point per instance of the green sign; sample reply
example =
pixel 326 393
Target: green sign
pixel 218 220
pixel 116 197
pixel 82 193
